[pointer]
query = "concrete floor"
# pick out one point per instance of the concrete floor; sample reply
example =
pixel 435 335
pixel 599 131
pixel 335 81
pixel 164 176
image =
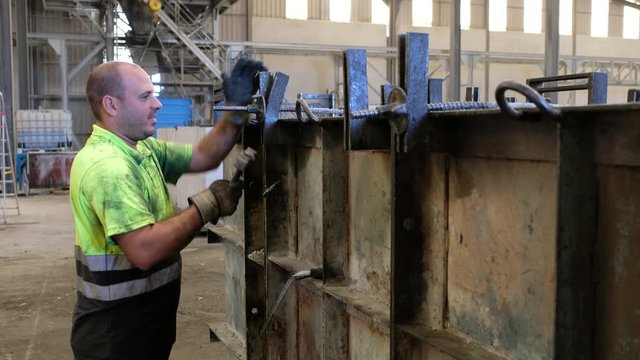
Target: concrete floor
pixel 37 286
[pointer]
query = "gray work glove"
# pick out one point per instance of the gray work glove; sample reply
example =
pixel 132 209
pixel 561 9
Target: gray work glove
pixel 220 199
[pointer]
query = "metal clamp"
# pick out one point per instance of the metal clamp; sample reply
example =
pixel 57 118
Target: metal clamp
pixel 531 95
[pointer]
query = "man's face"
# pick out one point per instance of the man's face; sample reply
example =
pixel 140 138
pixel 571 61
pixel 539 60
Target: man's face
pixel 139 105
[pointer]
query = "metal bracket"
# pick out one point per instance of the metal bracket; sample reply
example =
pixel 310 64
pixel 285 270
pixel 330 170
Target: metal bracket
pixel 596 85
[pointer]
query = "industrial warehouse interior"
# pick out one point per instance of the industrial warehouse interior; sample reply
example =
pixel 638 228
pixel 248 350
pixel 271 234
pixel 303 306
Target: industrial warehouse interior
pixel 420 179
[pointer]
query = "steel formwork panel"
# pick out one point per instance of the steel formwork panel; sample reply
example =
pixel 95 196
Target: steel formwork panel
pixel 479 237
pixel 507 299
pixel 369 223
pixel 617 271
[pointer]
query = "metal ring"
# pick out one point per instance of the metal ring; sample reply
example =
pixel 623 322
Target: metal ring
pixel 530 93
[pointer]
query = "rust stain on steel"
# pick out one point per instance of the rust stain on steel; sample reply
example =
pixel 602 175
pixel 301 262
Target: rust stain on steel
pixel 433 202
pixel 617 318
pixel 335 202
pixel 335 328
pixel 370 222
pixel 366 342
pixel 501 270
pixel 309 171
pixel 281 331
pixel 310 335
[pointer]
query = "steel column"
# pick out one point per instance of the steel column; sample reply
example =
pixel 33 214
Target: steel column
pixel 6 66
pixel 552 41
pixel 109 24
pixel 22 51
pixel 454 52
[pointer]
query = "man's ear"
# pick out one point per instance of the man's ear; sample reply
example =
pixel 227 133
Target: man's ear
pixel 110 105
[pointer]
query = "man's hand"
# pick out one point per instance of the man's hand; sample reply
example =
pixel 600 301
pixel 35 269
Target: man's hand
pixel 240 86
pixel 220 199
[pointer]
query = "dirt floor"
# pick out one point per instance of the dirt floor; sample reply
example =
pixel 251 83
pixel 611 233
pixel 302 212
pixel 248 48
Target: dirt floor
pixel 37 286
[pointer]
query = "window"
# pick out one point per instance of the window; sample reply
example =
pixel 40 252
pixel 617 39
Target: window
pixel 631 23
pixel 533 16
pixel 465 14
pixel 422 13
pixel 380 13
pixel 566 17
pixel 340 10
pixel 156 78
pixel 296 9
pixel 120 51
pixel 599 18
pixel 497 15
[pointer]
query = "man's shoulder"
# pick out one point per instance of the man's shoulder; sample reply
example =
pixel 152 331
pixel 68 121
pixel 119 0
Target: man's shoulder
pixel 96 151
pixel 96 156
pixel 153 144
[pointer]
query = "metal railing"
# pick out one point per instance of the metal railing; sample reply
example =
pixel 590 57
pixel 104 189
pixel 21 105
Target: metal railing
pixel 191 32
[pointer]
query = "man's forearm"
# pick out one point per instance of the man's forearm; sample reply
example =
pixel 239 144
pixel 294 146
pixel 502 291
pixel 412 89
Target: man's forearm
pixel 151 244
pixel 209 152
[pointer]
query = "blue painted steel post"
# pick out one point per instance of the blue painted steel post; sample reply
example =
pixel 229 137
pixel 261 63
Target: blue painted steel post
pixel 435 90
pixel 414 79
pixel 274 89
pixel 356 95
pixel 361 133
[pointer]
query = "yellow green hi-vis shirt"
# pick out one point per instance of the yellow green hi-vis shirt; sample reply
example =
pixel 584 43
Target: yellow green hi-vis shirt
pixel 116 189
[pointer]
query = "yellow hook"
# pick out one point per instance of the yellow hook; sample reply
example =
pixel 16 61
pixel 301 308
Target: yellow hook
pixel 155 6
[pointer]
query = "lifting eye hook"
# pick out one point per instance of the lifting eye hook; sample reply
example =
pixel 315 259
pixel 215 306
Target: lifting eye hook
pixel 530 93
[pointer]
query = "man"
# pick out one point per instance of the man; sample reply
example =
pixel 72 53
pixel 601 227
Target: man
pixel 128 239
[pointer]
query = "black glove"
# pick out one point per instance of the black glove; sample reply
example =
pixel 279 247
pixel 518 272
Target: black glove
pixel 241 85
pixel 220 199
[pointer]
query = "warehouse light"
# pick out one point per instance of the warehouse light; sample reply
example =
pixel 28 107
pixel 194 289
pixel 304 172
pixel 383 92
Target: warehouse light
pixel 422 13
pixel 296 9
pixel 340 10
pixel 497 15
pixel 533 16
pixel 631 23
pixel 566 17
pixel 599 18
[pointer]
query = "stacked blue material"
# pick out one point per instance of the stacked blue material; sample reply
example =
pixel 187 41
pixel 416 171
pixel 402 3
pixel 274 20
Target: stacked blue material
pixel 175 112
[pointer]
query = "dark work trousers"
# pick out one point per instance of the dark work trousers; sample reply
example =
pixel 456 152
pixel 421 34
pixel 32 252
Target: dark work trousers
pixel 139 328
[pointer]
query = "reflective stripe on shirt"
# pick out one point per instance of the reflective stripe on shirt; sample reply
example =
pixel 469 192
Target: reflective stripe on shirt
pixel 103 262
pixel 129 288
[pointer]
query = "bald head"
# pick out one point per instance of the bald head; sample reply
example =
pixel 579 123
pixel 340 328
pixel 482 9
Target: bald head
pixel 106 79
